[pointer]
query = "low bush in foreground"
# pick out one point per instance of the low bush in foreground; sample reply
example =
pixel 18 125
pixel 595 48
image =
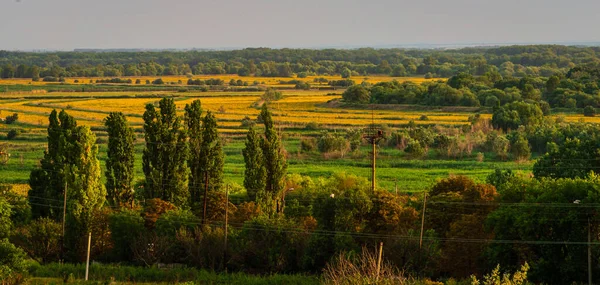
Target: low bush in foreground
pixel 120 273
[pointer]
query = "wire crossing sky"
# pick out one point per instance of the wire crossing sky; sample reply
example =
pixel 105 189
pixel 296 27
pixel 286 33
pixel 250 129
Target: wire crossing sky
pixel 150 24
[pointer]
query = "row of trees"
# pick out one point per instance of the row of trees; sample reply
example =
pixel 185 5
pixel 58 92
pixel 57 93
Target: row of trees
pixel 518 61
pixel 576 88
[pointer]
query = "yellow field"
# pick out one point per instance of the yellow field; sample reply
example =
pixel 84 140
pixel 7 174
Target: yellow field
pixel 296 109
pixel 268 81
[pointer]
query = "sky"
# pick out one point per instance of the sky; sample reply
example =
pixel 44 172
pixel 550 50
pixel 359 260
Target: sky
pixel 182 24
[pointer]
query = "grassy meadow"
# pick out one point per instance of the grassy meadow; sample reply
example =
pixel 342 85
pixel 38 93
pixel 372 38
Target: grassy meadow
pixel 292 114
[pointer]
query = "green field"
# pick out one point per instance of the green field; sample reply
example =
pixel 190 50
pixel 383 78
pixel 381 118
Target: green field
pixel 292 114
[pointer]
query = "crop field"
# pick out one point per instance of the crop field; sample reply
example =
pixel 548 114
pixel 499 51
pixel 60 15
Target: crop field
pixel 292 114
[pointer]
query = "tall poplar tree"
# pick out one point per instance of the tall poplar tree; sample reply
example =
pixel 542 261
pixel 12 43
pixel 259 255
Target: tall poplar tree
pixel 48 181
pixel 255 173
pixel 165 155
pixel 274 157
pixel 86 193
pixel 193 120
pixel 211 154
pixel 120 161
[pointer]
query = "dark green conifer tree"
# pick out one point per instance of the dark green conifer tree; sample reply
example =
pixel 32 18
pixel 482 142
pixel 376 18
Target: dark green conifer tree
pixel 165 155
pixel 120 160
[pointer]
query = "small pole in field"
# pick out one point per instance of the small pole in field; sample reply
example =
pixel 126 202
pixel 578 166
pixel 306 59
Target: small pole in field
pixel 226 227
pixel 379 260
pixel 87 265
pixel 205 196
pixel 423 221
pixel 396 185
pixel 62 244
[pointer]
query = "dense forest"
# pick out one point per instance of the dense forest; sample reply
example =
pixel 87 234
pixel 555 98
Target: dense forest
pixel 517 61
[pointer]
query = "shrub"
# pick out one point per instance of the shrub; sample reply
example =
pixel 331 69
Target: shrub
pixel 247 122
pixel 12 134
pixel 520 148
pixel 362 269
pixel 12 263
pixel 125 227
pixel 308 144
pixel 423 118
pixel 11 118
pixel 271 95
pixel 589 111
pixel 158 81
pixel 415 149
pixel 330 143
pixel 40 239
pixel 312 126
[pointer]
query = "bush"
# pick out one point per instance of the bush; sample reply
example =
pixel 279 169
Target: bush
pixel 415 149
pixel 271 95
pixel 330 143
pixel 40 239
pixel 520 148
pixel 312 126
pixel 12 263
pixel 158 81
pixel 362 269
pixel 589 111
pixel 247 122
pixel 308 144
pixel 423 118
pixel 12 134
pixel 11 118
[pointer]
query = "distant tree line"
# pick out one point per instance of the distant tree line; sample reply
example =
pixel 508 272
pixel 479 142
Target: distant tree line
pixel 576 88
pixel 510 61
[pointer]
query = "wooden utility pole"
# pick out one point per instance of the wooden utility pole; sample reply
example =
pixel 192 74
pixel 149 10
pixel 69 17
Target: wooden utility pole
pixel 373 167
pixel 396 185
pixel 423 221
pixel 226 227
pixel 379 260
pixel 87 264
pixel 205 196
pixel 589 252
pixel 62 245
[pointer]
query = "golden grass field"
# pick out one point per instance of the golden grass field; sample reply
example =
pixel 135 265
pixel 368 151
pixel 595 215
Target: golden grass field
pixel 296 109
pixel 269 81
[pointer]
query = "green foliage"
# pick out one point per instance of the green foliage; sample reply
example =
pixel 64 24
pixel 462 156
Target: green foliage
pixel 308 144
pixel 211 154
pixel 193 121
pixel 496 278
pixel 415 149
pixel 270 95
pixel 274 159
pixel 86 194
pixel 165 154
pixel 545 223
pixel 5 221
pixel 12 263
pixel 12 134
pixel 328 142
pixel 277 250
pixel 520 148
pixel 11 119
pixel 574 158
pixel 120 160
pixel 49 180
pixel 513 115
pixel 125 227
pixel 356 94
pixel 589 111
pixel 255 173
pixel 40 239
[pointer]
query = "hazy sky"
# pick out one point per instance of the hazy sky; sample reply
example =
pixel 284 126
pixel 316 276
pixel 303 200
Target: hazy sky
pixel 68 24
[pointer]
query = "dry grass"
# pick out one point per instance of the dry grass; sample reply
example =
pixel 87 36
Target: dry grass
pixel 361 269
